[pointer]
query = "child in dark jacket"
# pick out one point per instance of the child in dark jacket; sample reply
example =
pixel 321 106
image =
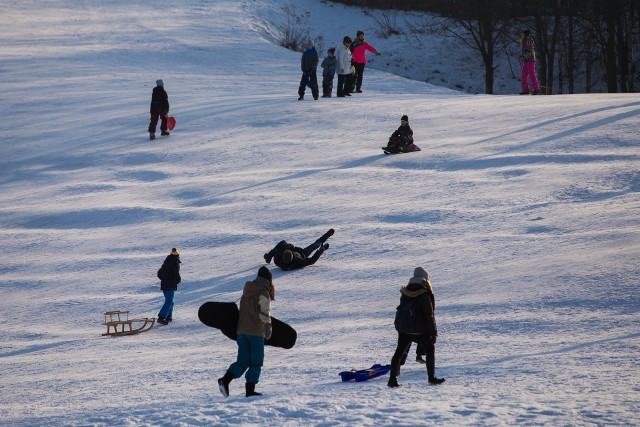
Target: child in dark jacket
pixel 328 65
pixel 401 141
pixel 290 257
pixel 159 108
pixel 309 65
pixel 169 275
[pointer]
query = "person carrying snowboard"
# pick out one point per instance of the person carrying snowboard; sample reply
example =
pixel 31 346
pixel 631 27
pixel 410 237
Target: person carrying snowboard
pixel 401 141
pixel 290 257
pixel 415 322
pixel 169 275
pixel 309 65
pixel 328 65
pixel 159 108
pixel 254 327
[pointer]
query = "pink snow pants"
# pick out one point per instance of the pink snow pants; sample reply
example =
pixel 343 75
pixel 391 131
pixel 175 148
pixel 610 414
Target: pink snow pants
pixel 529 70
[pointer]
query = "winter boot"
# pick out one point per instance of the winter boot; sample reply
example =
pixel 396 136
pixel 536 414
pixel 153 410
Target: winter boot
pixel 223 383
pixel 162 320
pixel 326 235
pixel 436 380
pixel 393 382
pixel 419 359
pixel 152 136
pixel 165 133
pixel 251 390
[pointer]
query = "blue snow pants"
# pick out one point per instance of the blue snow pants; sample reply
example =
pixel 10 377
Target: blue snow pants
pixel 167 307
pixel 250 358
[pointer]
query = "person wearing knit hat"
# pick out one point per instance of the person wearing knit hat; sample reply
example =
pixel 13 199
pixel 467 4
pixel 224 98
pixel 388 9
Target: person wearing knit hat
pixel 329 65
pixel 254 327
pixel 169 275
pixel 415 322
pixel 401 141
pixel 159 109
pixel 289 257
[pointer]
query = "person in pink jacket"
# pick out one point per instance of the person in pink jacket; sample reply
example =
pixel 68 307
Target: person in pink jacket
pixel 359 54
pixel 528 59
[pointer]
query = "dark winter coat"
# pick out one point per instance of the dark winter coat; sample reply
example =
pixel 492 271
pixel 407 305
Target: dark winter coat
pixel 425 305
pixel 159 100
pixel 405 134
pixel 329 65
pixel 169 273
pixel 309 61
pixel 300 260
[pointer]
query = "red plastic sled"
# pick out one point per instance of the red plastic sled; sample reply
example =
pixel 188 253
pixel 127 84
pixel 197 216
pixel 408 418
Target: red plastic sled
pixel 171 122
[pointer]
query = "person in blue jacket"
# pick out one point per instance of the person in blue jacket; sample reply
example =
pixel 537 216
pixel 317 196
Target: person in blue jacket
pixel 309 65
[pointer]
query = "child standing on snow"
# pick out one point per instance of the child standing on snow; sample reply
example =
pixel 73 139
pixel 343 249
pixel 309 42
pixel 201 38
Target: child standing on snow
pixel 159 108
pixel 309 65
pixel 254 327
pixel 169 275
pixel 328 65
pixel 528 59
pixel 401 141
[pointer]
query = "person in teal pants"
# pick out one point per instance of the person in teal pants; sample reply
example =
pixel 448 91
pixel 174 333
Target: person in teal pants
pixel 254 326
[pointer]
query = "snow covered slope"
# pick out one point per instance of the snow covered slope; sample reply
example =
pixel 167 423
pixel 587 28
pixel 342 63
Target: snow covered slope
pixel 523 209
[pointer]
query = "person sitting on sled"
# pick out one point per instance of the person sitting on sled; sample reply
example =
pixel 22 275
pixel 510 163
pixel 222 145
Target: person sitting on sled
pixel 401 141
pixel 290 257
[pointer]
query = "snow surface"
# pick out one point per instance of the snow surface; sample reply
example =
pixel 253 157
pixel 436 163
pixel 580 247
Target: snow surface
pixel 523 209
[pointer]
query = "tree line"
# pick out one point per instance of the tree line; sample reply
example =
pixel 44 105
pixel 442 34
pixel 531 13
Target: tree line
pixel 582 45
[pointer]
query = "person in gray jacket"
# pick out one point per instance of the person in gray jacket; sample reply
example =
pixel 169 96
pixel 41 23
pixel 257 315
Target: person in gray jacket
pixel 309 65
pixel 328 65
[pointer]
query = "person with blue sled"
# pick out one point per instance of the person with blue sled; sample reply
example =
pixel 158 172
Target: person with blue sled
pixel 415 322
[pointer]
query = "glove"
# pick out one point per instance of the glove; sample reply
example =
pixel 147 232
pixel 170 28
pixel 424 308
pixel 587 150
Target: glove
pixel 378 53
pixel 267 331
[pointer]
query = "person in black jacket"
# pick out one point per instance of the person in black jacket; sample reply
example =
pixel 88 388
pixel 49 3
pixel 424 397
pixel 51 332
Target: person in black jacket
pixel 159 108
pixel 420 328
pixel 401 141
pixel 309 65
pixel 169 275
pixel 290 257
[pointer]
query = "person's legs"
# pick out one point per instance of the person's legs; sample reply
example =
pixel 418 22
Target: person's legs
pixel 167 307
pixel 256 359
pixel 524 81
pixel 531 72
pixel 243 360
pixel 430 350
pixel 341 82
pixel 153 123
pixel 163 124
pixel 314 85
pixel 303 85
pixel 404 341
pixel 316 245
pixel 359 73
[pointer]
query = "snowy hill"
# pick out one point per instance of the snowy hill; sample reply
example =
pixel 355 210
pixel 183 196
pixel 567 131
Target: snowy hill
pixel 523 209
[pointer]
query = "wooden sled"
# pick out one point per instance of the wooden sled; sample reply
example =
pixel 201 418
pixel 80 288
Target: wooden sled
pixel 120 319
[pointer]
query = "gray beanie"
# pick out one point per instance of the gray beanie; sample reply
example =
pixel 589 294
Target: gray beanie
pixel 421 272
pixel 159 82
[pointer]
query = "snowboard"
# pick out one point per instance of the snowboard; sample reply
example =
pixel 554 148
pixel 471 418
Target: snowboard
pixel 224 316
pixel 171 122
pixel 365 374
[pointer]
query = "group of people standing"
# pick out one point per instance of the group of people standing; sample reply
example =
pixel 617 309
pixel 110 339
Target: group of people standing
pixel 347 60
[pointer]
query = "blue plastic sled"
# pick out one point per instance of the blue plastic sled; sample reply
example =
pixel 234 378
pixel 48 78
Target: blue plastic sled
pixel 365 374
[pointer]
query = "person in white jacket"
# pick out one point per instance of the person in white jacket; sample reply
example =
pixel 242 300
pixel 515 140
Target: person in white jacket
pixel 343 55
